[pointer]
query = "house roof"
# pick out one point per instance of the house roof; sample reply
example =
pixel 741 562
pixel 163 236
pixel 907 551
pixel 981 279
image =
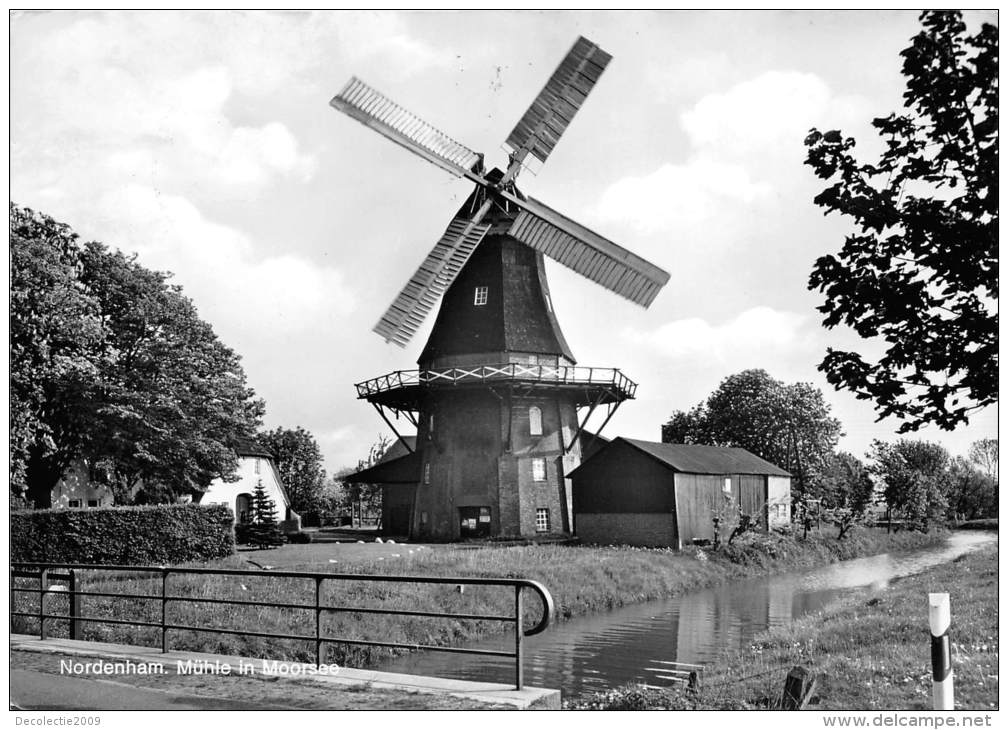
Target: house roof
pixel 698 458
pixel 250 447
pixel 400 464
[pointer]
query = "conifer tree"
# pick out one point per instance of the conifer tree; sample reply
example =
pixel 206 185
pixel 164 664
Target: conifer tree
pixel 263 532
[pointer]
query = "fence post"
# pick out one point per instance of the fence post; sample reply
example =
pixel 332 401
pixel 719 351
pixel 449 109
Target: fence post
pixel 798 688
pixel 164 610
pixel 43 587
pixel 519 631
pixel 318 623
pixel 940 618
pixel 75 604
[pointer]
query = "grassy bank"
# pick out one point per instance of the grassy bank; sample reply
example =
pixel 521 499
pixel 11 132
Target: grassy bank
pixel 869 652
pixel 581 579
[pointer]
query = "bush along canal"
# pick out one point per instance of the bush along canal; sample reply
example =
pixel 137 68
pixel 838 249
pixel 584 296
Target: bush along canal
pixel 652 645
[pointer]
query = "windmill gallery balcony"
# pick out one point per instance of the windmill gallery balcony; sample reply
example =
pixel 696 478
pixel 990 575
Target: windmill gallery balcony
pixel 402 390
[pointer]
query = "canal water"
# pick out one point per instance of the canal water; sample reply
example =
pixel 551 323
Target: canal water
pixel 640 643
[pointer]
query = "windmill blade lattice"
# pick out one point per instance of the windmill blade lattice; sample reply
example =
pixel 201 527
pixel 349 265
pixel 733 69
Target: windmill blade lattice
pixel 539 130
pixel 586 252
pixel 371 108
pixel 438 270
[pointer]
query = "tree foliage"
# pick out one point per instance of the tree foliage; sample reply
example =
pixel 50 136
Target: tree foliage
pixel 972 494
pixel 984 454
pixel 916 479
pixel 299 461
pixel 112 365
pixel 846 483
pixel 263 531
pixel 788 425
pixel 920 270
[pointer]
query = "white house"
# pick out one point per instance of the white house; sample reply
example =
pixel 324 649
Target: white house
pixel 76 491
pixel 255 464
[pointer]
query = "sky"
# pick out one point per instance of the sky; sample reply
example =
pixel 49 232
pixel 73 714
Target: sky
pixel 205 143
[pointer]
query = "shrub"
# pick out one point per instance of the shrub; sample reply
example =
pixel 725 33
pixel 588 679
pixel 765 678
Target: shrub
pixel 153 535
pixel 299 537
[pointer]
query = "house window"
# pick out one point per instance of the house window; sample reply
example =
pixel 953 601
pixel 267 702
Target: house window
pixel 426 473
pixel 727 485
pixel 423 518
pixel 92 503
pixel 538 470
pixel 549 304
pixel 74 503
pixel 542 520
pixel 257 465
pixel 535 421
pixel 481 296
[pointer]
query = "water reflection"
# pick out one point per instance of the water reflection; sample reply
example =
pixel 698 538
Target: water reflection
pixel 647 643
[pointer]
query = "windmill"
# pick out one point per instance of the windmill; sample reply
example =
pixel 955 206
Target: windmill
pixel 497 395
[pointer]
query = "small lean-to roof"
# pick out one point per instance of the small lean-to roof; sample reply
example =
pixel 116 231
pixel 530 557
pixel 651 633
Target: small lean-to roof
pixel 698 458
pixel 398 465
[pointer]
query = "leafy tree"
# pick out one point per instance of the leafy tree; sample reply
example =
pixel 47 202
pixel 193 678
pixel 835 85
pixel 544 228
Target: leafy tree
pixel 366 497
pixel 54 358
pixel 847 487
pixel 130 379
pixel 263 531
pixel 916 479
pixel 972 494
pixel 984 454
pixel 846 482
pixel 299 463
pixel 920 270
pixel 788 425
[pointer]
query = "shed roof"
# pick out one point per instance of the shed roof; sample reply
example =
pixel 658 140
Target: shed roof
pixel 398 465
pixel 699 458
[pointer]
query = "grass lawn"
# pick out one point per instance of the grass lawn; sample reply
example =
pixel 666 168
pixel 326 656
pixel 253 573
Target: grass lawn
pixel 581 579
pixel 870 651
pixel 273 692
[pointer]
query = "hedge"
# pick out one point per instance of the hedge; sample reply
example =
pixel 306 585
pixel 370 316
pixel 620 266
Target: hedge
pixel 151 535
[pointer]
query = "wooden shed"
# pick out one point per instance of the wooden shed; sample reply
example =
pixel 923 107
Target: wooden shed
pixel 646 493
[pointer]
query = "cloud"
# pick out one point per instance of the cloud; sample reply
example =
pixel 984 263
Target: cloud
pixel 757 331
pixel 235 288
pixel 746 151
pixel 679 194
pixel 767 118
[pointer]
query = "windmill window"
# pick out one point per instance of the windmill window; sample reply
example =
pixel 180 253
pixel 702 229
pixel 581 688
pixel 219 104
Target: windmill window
pixel 549 303
pixel 480 297
pixel 535 421
pixel 426 473
pixel 538 470
pixel 542 520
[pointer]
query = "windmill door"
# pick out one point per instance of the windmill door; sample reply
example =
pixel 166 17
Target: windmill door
pixel 474 521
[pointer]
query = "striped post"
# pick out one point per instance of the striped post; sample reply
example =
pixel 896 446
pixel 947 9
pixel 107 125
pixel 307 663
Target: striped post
pixel 940 618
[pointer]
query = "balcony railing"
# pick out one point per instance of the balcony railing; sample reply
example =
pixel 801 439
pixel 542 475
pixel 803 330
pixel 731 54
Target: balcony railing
pixel 542 374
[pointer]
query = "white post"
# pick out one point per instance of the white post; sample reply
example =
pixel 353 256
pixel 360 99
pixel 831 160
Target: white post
pixel 939 616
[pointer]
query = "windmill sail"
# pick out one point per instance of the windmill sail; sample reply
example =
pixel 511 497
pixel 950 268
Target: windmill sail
pixel 539 130
pixel 402 319
pixel 586 252
pixel 371 108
